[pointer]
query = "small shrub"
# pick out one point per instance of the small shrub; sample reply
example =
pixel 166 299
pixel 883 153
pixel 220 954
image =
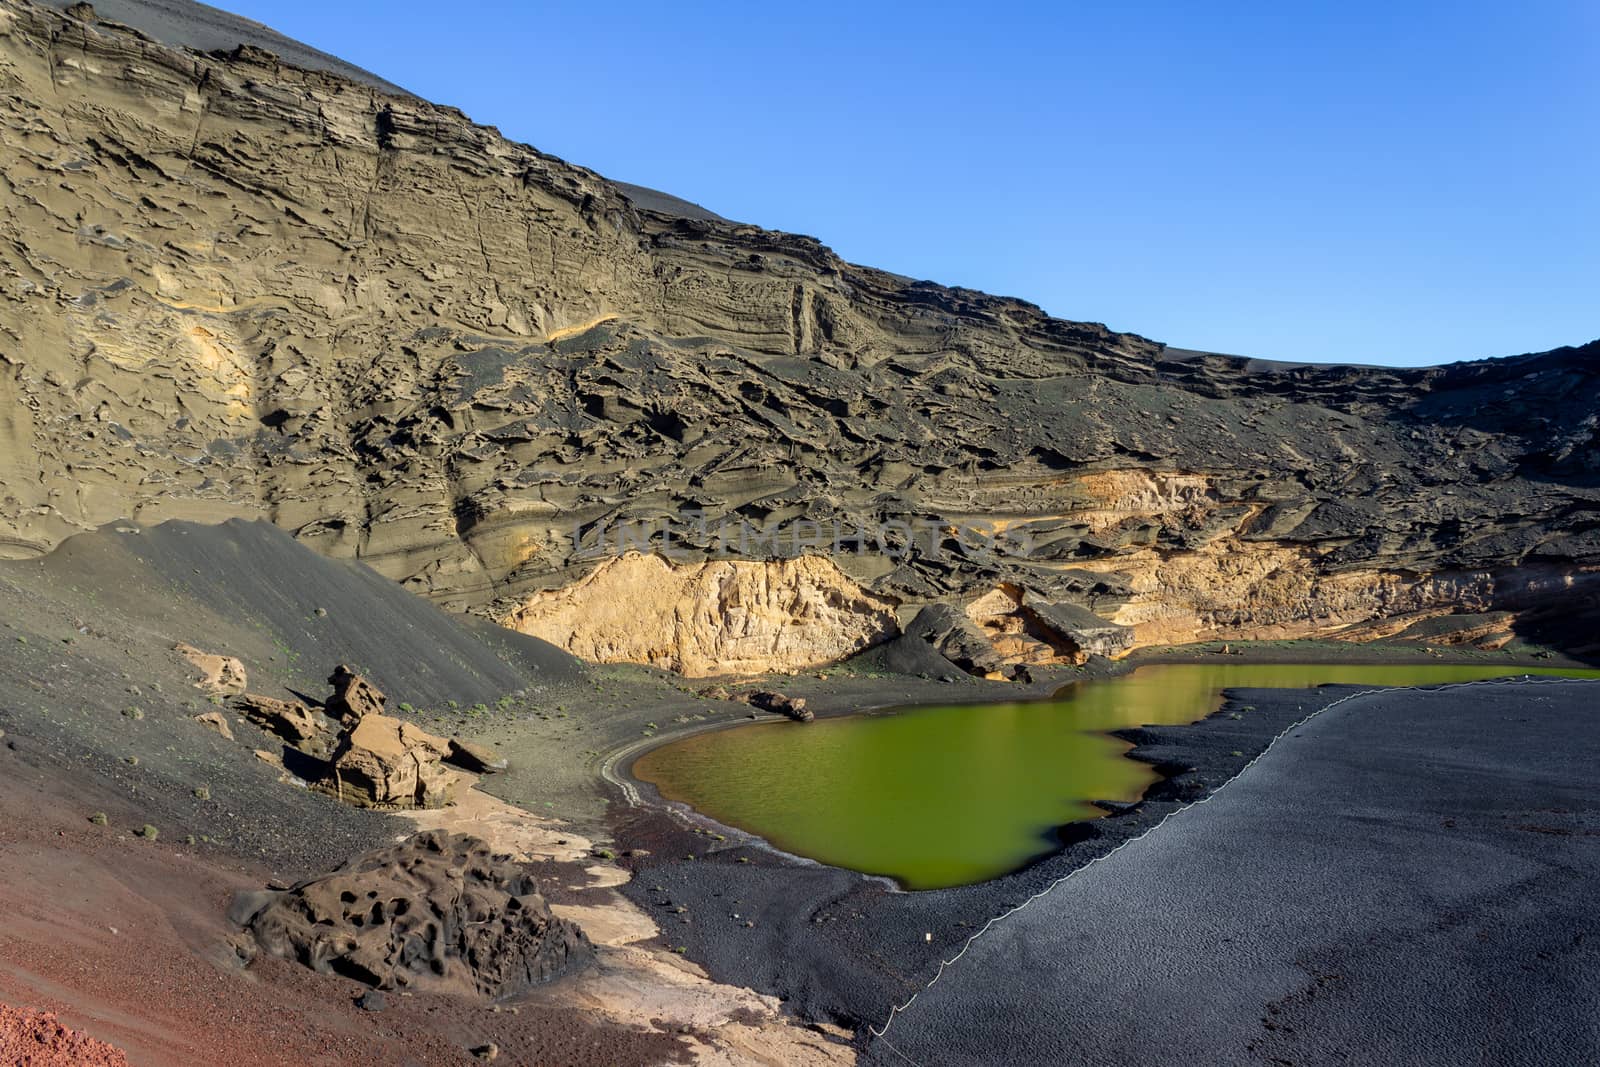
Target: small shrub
pixel 133 713
pixel 99 818
pixel 202 793
pixel 406 707
pixel 148 832
pixel 604 854
pixel 132 761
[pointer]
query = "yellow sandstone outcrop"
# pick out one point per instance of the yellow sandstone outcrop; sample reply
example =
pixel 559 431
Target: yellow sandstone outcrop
pixel 717 617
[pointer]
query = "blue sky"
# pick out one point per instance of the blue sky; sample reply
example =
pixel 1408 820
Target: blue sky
pixel 1366 182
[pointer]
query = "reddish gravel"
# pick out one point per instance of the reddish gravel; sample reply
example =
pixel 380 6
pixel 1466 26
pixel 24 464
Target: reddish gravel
pixel 37 1039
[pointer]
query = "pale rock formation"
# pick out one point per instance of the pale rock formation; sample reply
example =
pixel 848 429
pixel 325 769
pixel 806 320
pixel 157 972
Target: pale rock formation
pixel 353 696
pixel 381 760
pixel 219 675
pixel 289 719
pixel 216 721
pixel 718 617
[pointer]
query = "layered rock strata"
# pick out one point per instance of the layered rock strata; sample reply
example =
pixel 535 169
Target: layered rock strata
pixel 232 287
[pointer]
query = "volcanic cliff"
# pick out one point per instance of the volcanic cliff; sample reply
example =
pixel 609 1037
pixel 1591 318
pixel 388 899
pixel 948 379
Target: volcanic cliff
pixel 231 287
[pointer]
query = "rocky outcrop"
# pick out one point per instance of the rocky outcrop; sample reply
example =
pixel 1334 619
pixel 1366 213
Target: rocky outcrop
pixel 439 913
pixel 954 635
pixel 219 675
pixel 718 617
pixel 779 704
pixel 382 761
pixel 1077 628
pixel 1026 628
pixel 289 719
pixel 354 697
pixel 237 288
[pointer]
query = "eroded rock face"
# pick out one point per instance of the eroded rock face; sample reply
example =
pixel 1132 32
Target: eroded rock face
pixel 219 675
pixel 289 719
pixel 439 913
pixel 354 697
pixel 956 637
pixel 719 617
pixel 381 760
pixel 467 361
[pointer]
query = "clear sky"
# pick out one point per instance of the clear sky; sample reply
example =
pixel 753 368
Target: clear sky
pixel 1400 182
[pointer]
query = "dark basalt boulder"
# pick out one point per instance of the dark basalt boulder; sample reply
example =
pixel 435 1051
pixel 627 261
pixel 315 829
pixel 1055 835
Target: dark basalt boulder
pixel 794 707
pixel 1079 628
pixel 957 638
pixel 440 912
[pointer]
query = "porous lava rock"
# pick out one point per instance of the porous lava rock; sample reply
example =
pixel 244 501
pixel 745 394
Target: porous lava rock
pixel 439 912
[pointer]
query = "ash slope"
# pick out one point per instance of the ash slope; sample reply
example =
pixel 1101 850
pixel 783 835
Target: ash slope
pixel 92 693
pixel 236 287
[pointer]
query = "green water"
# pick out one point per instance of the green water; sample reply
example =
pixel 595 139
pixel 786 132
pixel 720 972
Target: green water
pixel 949 795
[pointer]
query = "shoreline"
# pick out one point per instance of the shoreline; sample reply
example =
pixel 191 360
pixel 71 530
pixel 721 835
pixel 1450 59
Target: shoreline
pixel 851 945
pixel 616 766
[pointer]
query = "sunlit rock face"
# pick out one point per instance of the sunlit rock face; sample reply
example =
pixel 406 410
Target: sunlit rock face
pixel 718 617
pixel 230 287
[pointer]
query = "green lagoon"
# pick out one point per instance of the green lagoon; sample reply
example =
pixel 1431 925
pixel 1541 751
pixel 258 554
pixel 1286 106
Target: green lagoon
pixel 938 796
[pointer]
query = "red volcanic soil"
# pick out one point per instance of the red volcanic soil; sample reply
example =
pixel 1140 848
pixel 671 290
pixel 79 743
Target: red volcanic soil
pixel 37 1039
pixel 127 940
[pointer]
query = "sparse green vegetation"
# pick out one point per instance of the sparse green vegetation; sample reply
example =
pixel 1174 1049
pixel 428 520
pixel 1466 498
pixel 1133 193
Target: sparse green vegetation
pixel 99 818
pixel 133 713
pixel 202 793
pixel 148 832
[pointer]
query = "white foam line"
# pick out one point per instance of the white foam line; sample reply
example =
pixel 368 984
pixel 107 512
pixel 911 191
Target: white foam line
pixel 1526 679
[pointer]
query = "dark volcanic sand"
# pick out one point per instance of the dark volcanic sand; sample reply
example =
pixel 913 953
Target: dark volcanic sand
pixel 843 947
pixel 1407 879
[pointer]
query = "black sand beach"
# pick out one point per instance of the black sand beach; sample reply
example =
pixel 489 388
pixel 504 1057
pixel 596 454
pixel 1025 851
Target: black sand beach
pixel 1406 879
